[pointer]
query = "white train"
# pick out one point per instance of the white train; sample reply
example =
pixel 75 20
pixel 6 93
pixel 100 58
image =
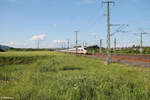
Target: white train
pixel 79 50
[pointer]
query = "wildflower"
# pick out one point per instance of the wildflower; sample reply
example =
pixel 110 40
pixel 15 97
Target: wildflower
pixel 75 86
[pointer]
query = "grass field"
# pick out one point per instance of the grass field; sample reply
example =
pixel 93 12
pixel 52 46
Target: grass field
pixel 47 75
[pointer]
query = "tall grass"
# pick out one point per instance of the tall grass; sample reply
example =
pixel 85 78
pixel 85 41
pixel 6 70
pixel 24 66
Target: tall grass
pixel 57 76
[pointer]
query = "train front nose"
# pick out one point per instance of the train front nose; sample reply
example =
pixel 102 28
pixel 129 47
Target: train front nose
pixel 85 51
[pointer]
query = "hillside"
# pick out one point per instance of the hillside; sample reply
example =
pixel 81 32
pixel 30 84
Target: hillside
pixel 4 48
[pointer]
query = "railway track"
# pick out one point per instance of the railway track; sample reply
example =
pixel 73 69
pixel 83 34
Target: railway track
pixel 133 60
pixel 136 60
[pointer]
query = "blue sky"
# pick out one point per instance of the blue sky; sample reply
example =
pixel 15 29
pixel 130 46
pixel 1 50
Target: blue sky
pixel 22 22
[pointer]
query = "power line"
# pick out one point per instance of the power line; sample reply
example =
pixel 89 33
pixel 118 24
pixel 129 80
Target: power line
pixel 76 41
pixel 119 30
pixel 108 58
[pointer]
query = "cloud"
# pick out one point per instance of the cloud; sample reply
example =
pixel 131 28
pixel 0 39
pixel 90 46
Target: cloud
pixel 36 37
pixel 127 44
pixel 58 41
pixel 54 25
pixel 147 31
pixel 12 43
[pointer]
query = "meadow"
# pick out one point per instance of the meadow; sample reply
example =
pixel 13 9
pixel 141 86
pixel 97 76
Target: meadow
pixel 45 75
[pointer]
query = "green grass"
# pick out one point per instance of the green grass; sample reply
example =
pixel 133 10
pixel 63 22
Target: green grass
pixel 47 75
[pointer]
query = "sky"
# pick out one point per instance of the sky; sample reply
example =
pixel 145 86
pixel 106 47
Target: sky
pixel 52 22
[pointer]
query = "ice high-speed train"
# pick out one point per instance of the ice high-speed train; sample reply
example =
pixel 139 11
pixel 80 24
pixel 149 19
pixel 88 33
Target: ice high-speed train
pixel 81 50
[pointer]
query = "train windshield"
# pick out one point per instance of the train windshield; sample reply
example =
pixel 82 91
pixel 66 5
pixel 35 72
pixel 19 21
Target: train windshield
pixel 85 48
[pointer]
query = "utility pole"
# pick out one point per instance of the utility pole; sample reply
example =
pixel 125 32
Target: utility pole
pixel 141 43
pixel 108 58
pixel 76 41
pixel 100 47
pixel 68 42
pixel 83 44
pixel 64 44
pixel 38 43
pixel 115 46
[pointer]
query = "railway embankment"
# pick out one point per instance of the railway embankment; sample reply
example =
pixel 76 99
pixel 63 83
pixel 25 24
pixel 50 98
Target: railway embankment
pixel 134 60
